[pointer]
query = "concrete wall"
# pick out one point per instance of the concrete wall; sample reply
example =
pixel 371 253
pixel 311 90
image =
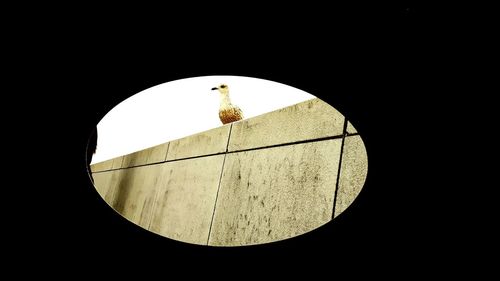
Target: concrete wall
pixel 255 181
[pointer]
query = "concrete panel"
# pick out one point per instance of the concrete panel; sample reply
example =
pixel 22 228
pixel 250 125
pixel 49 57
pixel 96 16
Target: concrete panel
pixel 136 158
pixel 306 120
pixel 273 194
pixel 105 183
pixel 350 128
pixel 150 155
pixel 102 166
pixel 158 153
pixel 186 199
pixel 353 172
pixel 101 183
pixel 208 142
pixel 117 162
pixel 134 193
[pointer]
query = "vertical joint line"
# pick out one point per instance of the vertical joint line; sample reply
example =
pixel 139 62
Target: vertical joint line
pixel 121 163
pixel 114 186
pixel 166 154
pixel 229 137
pixel 218 187
pixel 344 132
pixel 153 207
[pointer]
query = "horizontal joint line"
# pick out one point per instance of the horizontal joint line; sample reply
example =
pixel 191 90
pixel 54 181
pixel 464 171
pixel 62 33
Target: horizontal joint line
pixel 234 151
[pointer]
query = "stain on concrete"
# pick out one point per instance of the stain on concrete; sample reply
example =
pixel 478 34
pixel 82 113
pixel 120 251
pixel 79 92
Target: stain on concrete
pixel 102 166
pixel 208 142
pixel 134 194
pixel 306 120
pixel 294 199
pixel 104 183
pixel 158 153
pixel 353 172
pixel 186 198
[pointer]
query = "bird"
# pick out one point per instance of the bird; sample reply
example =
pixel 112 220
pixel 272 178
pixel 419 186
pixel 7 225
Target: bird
pixel 228 112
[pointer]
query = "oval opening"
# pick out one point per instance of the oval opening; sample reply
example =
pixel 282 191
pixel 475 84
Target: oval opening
pixel 227 161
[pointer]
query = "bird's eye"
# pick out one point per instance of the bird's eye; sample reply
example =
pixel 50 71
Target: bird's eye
pixel 223 86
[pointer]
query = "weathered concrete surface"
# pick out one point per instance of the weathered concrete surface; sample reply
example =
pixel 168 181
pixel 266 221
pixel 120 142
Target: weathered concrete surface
pixel 276 193
pixel 102 166
pixel 306 120
pixel 186 198
pixel 107 165
pixel 353 172
pixel 150 155
pixel 134 193
pixel 265 195
pixel 117 162
pixel 106 183
pixel 158 153
pixel 102 184
pixel 204 143
pixel 350 128
pixel 136 158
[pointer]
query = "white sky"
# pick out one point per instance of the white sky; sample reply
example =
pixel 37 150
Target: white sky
pixel 184 107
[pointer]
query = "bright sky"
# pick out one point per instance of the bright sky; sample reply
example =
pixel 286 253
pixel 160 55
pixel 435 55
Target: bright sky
pixel 184 107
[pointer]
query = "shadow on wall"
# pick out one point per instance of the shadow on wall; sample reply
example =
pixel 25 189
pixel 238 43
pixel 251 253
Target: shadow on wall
pixel 254 181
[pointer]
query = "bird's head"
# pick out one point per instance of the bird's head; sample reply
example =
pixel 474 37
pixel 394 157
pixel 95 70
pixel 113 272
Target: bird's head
pixel 223 88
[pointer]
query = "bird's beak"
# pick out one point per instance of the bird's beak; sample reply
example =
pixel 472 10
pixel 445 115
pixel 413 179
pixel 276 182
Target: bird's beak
pixel 214 88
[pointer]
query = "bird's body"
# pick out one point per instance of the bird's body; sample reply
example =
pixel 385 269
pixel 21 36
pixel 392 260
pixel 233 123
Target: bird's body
pixel 228 112
pixel 229 115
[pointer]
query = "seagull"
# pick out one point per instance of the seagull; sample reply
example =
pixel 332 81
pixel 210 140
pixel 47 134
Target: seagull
pixel 228 112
